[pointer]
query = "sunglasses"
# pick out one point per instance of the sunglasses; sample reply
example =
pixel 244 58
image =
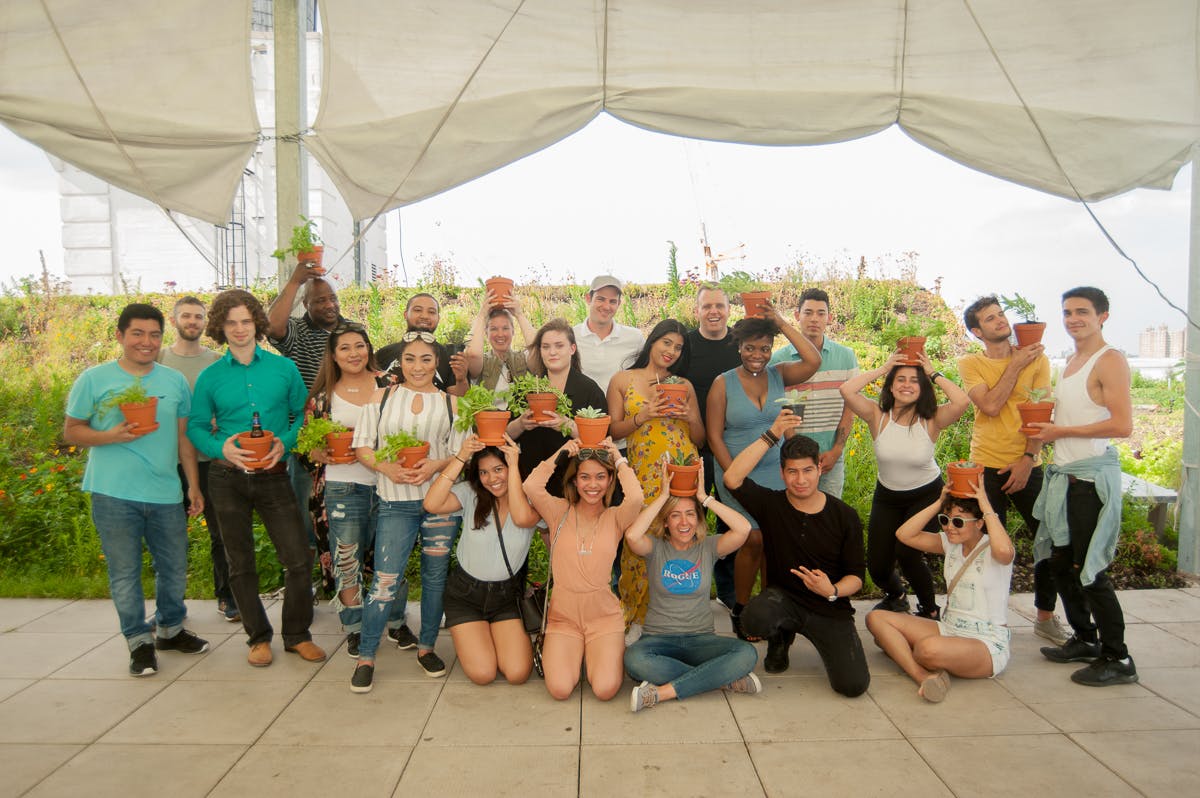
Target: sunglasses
pixel 346 327
pixel 413 335
pixel 958 522
pixel 603 455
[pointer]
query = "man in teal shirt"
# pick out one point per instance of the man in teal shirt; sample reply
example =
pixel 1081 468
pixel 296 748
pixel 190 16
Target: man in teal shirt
pixel 245 381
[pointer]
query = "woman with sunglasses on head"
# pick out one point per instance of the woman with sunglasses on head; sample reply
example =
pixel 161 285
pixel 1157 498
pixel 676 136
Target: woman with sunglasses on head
pixel 905 425
pixel 482 589
pixel 678 655
pixel 742 405
pixel 583 622
pixel 414 406
pixel 497 368
pixel 972 640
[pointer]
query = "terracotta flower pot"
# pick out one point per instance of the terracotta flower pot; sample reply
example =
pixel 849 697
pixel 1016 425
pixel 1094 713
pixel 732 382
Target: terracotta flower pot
pixel 754 302
pixel 684 479
pixel 675 393
pixel 798 410
pixel 259 447
pixel 312 258
pixel 413 454
pixel 961 478
pixel 1029 333
pixel 1032 412
pixel 542 405
pixel 340 450
pixel 911 346
pixel 592 430
pixel 144 414
pixel 502 287
pixel 490 426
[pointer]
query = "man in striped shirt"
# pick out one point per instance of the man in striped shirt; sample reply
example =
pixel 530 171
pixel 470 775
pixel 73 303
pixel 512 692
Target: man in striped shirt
pixel 302 339
pixel 827 419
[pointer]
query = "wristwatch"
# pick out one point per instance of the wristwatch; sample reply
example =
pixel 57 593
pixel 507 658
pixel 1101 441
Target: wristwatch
pixel 833 596
pixel 934 376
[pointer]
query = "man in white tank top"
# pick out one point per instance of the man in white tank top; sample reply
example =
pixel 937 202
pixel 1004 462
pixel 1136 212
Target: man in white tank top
pixel 1080 502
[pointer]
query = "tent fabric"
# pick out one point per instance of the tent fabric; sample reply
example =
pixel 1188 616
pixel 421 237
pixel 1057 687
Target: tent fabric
pixel 424 95
pixel 172 81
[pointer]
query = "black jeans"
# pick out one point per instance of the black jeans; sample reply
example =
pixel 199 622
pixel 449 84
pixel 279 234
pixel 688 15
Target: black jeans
pixel 236 496
pixel 1044 595
pixel 776 612
pixel 1090 609
pixel 722 568
pixel 221 590
pixel 890 509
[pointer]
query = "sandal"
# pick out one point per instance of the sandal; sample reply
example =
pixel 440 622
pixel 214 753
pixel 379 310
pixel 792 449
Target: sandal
pixel 935 687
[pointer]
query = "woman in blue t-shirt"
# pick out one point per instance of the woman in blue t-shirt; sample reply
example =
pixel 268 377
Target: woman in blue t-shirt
pixel 678 655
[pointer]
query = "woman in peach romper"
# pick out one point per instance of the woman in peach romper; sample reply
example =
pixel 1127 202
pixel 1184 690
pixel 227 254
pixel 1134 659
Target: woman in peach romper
pixel 584 621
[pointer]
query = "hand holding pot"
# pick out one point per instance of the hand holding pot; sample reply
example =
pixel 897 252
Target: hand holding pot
pixel 657 406
pixel 275 454
pixel 786 420
pixel 458 365
pixel 470 446
pixel 233 453
pixel 512 453
pixel 123 432
pixel 1025 355
pixel 320 455
pixel 393 471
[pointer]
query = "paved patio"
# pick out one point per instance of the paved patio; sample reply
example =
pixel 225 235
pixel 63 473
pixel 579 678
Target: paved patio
pixel 73 722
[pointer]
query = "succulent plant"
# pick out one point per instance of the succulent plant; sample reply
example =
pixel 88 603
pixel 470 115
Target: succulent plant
pixel 590 412
pixel 1036 395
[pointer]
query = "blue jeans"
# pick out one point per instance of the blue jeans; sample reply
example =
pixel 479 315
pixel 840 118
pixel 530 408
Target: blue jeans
pixel 833 481
pixel 352 510
pixel 122 526
pixel 694 663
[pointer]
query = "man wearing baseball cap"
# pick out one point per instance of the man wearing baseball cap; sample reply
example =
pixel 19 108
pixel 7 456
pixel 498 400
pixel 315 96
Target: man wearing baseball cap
pixel 606 347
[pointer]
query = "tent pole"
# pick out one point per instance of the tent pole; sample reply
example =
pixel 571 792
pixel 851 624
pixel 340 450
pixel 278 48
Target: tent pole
pixel 290 25
pixel 1189 491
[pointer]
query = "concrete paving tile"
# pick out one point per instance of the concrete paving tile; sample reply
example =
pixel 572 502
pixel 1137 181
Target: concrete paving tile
pixel 111 661
pixel 325 711
pixel 62 711
pixel 1189 631
pixel 1180 686
pixel 514 712
pixel 704 718
pixel 32 655
pixel 335 770
pixel 206 712
pixel 24 765
pixel 1152 647
pixel 505 770
pixel 391 663
pixel 972 707
pixel 131 771
pixel 711 770
pixel 204 620
pixel 1033 765
pixel 11 686
pixel 1034 679
pixel 1120 714
pixel 82 617
pixel 1191 591
pixel 808 709
pixel 1158 763
pixel 227 662
pixel 15 613
pixel 1159 606
pixel 836 767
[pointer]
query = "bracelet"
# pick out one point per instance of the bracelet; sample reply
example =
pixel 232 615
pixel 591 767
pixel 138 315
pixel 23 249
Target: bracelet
pixel 985 515
pixel 1030 455
pixel 768 438
pixel 636 423
pixel 934 376
pixel 446 476
pixel 704 503
pixel 620 462
pixel 464 462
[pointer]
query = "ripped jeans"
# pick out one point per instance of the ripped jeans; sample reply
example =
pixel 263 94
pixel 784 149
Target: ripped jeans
pixel 396 531
pixel 351 509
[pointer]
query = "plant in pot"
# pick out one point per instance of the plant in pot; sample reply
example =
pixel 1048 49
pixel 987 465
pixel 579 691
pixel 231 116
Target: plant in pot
pixel 529 392
pixel 592 425
pixel 306 245
pixel 325 433
pixel 962 475
pixel 1037 407
pixel 911 334
pixel 501 287
pixel 136 405
pixel 795 401
pixel 1029 331
pixel 684 471
pixel 478 406
pixel 751 290
pixel 404 447
pixel 675 390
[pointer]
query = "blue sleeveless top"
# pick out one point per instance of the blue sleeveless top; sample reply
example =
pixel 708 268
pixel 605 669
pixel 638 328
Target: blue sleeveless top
pixel 745 423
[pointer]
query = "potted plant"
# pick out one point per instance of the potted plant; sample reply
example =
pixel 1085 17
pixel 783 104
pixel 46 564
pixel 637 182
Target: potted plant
pixel 502 287
pixel 962 475
pixel 404 447
pixel 136 405
pixel 751 290
pixel 1035 409
pixel 911 334
pixel 478 406
pixel 528 392
pixel 306 244
pixel 592 425
pixel 325 433
pixel 1029 331
pixel 795 401
pixel 675 390
pixel 684 471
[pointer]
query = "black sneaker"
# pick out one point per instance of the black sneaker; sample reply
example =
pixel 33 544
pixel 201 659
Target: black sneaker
pixel 185 643
pixel 142 661
pixel 1106 671
pixel 361 681
pixel 893 604
pixel 776 660
pixel 1074 650
pixel 432 664
pixel 403 637
pixel 352 641
pixel 933 613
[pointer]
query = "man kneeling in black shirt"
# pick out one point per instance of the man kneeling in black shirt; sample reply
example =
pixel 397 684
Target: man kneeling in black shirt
pixel 813 544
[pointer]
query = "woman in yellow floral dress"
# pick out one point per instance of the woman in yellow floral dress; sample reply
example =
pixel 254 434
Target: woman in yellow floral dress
pixel 653 428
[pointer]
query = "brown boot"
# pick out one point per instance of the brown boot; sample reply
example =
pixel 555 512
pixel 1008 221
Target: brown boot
pixel 308 651
pixel 260 655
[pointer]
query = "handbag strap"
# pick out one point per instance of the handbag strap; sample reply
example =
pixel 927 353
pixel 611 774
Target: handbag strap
pixel 550 568
pixel 379 421
pixel 971 558
pixel 500 534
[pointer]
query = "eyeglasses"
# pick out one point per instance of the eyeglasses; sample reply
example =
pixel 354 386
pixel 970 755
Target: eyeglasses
pixel 413 335
pixel 603 455
pixel 958 522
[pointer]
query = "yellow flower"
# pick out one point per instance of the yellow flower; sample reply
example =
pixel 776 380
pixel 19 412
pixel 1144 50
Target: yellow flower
pixel 71 449
pixel 852 451
pixel 49 486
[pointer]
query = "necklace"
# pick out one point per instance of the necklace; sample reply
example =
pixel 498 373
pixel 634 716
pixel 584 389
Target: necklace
pixel 751 373
pixel 584 542
pixel 352 390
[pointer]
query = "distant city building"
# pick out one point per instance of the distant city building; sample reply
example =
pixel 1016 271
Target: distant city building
pixel 1159 342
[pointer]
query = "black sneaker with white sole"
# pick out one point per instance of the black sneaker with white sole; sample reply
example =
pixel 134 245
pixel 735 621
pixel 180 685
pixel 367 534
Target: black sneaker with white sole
pixel 352 642
pixel 432 664
pixel 403 637
pixel 142 661
pixel 361 681
pixel 185 643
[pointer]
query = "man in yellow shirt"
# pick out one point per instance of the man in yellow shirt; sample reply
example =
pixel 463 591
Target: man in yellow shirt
pixel 997 380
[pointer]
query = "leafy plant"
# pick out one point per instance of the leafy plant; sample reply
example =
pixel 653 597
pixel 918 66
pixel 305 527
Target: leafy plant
pixel 585 412
pixel 1021 306
pixel 135 394
pixel 304 238
pixel 681 459
pixel 740 283
pixel 795 397
pixel 477 399
pixel 671 379
pixel 312 435
pixel 915 327
pixel 1036 395
pixel 962 464
pixel 526 384
pixel 392 444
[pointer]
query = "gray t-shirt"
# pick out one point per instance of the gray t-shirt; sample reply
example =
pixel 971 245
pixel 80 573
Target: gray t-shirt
pixel 478 550
pixel 680 582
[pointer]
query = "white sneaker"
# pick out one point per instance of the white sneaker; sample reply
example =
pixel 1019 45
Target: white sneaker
pixel 1052 630
pixel 634 633
pixel 643 696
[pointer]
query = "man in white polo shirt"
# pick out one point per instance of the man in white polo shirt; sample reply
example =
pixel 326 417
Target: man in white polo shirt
pixel 606 347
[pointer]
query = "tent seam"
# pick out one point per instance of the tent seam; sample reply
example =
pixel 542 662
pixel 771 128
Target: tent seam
pixel 903 64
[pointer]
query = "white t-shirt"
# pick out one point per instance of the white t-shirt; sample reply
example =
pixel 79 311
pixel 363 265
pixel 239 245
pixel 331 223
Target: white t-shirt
pixel 478 550
pixel 347 413
pixel 602 359
pixel 982 593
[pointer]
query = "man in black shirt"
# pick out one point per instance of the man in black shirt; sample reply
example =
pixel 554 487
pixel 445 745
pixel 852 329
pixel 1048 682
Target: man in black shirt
pixel 813 544
pixel 422 314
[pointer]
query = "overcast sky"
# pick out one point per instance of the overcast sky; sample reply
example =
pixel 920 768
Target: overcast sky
pixel 609 198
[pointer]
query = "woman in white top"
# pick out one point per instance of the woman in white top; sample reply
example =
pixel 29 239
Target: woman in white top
pixel 414 406
pixel 483 588
pixel 904 425
pixel 972 641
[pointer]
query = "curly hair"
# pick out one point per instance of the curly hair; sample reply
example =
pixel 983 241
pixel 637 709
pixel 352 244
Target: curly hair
pixel 753 327
pixel 227 301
